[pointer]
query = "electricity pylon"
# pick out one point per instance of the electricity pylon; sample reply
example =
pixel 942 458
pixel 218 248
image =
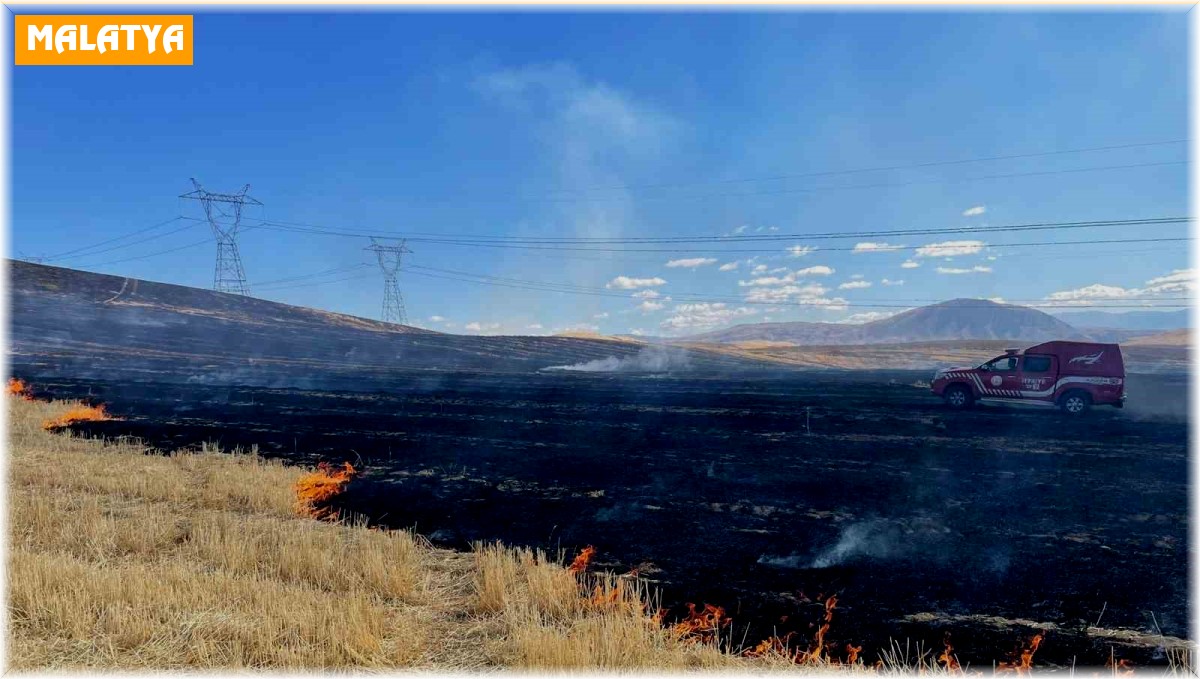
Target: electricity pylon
pixel 389 263
pixel 224 214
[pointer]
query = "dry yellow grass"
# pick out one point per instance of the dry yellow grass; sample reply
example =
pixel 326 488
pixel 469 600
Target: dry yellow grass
pixel 121 559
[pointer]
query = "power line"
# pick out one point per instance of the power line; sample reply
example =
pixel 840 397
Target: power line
pixel 277 288
pixel 147 239
pixel 519 241
pixel 819 189
pixel 316 274
pixel 882 168
pixel 149 254
pixel 68 253
pixel 934 247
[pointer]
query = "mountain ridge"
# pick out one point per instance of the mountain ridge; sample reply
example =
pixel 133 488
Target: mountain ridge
pixel 956 319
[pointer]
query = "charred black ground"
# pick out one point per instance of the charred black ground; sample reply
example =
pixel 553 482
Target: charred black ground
pixel 727 491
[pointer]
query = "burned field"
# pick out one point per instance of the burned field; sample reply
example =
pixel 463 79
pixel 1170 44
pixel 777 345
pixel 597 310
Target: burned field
pixel 761 495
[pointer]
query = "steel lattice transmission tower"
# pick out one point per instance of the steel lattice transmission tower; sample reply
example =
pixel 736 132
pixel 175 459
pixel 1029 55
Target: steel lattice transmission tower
pixel 389 263
pixel 224 214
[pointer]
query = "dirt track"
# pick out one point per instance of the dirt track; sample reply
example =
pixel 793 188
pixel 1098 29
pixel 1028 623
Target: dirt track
pixel 717 491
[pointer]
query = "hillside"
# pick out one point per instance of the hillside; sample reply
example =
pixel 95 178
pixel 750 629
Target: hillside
pixel 1154 356
pixel 81 324
pixel 958 319
pixel 1173 338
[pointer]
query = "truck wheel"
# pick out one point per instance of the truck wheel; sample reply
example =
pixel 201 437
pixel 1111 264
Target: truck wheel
pixel 1075 402
pixel 958 397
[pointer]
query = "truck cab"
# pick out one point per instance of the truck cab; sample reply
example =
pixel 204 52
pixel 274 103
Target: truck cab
pixel 1073 376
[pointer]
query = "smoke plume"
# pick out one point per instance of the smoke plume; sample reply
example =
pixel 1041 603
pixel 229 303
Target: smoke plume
pixel 648 360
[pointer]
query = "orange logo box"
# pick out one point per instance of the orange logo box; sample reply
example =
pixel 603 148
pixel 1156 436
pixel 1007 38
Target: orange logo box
pixel 103 40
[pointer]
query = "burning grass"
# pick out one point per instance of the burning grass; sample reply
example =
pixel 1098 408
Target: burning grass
pixel 80 412
pixel 315 489
pixel 123 560
pixel 18 388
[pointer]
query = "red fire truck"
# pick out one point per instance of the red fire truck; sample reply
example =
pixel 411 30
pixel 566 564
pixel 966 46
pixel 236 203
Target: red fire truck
pixel 1071 375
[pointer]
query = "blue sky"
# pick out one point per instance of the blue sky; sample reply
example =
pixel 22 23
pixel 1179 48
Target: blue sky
pixel 603 125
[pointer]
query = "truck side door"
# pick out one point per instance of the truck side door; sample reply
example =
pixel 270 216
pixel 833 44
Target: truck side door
pixel 1002 377
pixel 1038 375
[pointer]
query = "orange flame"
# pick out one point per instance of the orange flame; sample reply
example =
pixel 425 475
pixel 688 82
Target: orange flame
pixel 852 652
pixel 79 413
pixel 816 653
pixel 19 389
pixel 316 488
pixel 1024 656
pixel 770 646
pixel 948 660
pixel 581 562
pixel 701 626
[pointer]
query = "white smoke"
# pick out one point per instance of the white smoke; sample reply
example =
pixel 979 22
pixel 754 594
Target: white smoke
pixel 919 537
pixel 876 539
pixel 648 360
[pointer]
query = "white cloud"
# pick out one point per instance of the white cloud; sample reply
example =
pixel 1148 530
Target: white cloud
pixel 854 285
pixel 800 250
pixel 812 294
pixel 601 315
pixel 956 271
pixel 534 326
pixel 857 277
pixel 867 317
pixel 637 332
pixel 645 294
pixel 1093 292
pixel 437 319
pixel 703 316
pixel 891 282
pixel 876 247
pixel 766 280
pixel 649 306
pixel 691 263
pixel 997 300
pixel 728 266
pixel 819 270
pixel 627 283
pixel 950 248
pixel 974 211
pixel 1180 281
pixel 476 326
pixel 740 230
pixel 761 268
pixel 910 265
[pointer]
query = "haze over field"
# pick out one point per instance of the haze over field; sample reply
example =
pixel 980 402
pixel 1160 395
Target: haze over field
pixel 65 320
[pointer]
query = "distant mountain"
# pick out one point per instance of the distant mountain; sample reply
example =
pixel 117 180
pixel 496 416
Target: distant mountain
pixel 958 319
pixel 1129 320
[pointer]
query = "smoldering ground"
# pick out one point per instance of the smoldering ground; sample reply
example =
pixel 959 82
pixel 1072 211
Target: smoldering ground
pixel 886 498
